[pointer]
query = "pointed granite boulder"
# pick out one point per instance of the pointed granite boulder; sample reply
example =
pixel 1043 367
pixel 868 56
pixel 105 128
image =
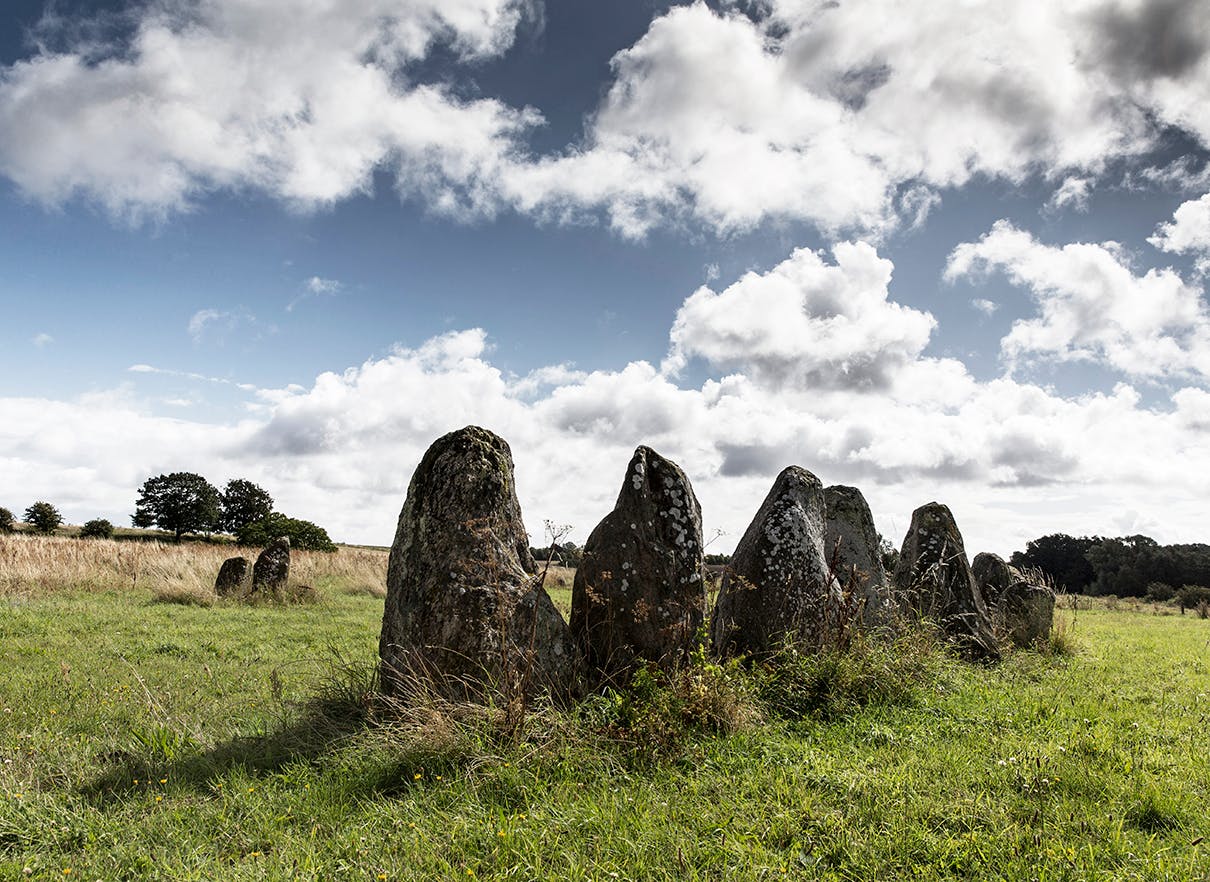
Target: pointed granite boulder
pixel 464 608
pixel 851 548
pixel 778 588
pixel 638 594
pixel 934 580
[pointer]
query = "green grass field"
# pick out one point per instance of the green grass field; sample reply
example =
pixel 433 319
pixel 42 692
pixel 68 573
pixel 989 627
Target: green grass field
pixel 143 740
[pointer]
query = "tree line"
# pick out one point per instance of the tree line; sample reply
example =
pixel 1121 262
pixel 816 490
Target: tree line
pixel 1126 566
pixel 185 503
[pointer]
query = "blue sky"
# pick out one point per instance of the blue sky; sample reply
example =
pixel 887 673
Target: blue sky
pixel 935 255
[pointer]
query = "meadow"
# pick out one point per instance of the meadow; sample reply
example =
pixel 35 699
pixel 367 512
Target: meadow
pixel 151 731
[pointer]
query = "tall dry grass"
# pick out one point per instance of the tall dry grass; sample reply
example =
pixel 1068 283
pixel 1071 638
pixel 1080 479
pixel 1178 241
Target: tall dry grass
pixel 39 565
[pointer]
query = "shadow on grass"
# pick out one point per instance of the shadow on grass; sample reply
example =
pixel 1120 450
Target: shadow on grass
pixel 343 709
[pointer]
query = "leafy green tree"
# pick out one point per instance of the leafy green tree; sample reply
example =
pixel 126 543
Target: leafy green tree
pixel 43 517
pixel 1062 557
pixel 181 502
pixel 303 535
pixel 6 521
pixel 244 503
pixel 98 528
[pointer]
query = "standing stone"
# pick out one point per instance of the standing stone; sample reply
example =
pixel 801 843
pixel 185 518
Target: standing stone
pixel 1027 611
pixel 935 581
pixel 638 593
pixel 231 576
pixel 778 588
pixel 272 567
pixel 851 549
pixel 993 576
pixel 464 608
pixel 1021 609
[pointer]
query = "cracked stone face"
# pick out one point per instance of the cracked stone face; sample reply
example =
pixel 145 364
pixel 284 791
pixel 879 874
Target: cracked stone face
pixel 851 546
pixel 464 606
pixel 778 587
pixel 639 594
pixel 935 581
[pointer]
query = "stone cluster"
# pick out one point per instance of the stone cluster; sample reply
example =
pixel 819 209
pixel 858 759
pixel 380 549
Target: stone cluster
pixel 466 608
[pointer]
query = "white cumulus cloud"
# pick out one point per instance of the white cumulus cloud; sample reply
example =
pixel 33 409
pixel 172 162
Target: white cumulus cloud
pixel 1188 232
pixel 1092 306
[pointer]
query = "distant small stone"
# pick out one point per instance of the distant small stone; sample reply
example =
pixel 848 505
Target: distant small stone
pixel 934 580
pixel 272 568
pixel 778 588
pixel 638 594
pixel 231 576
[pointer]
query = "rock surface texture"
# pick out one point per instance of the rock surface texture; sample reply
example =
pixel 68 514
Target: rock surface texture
pixel 464 607
pixel 272 567
pixel 1026 612
pixel 231 576
pixel 778 587
pixel 638 593
pixel 1021 609
pixel 851 549
pixel 934 580
pixel 993 575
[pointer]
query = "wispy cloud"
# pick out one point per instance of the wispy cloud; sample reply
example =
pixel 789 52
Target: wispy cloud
pixel 42 339
pixel 217 324
pixel 987 307
pixel 189 375
pixel 316 286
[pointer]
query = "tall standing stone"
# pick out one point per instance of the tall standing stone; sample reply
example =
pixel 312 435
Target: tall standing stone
pixel 851 549
pixel 778 587
pixel 231 576
pixel 272 567
pixel 638 593
pixel 935 581
pixel 464 608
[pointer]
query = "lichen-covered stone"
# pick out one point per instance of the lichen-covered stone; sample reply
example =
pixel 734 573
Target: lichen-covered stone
pixel 639 594
pixel 778 588
pixel 464 608
pixel 993 575
pixel 851 549
pixel 1027 611
pixel 231 576
pixel 272 568
pixel 934 581
pixel 1021 609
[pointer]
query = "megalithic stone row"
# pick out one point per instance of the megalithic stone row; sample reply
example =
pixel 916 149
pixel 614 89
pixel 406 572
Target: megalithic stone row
pixel 1021 609
pixel 778 588
pixel 231 576
pixel 464 607
pixel 639 595
pixel 934 581
pixel 272 568
pixel 851 549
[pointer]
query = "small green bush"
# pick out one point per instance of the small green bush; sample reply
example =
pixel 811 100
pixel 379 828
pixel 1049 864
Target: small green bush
pixel 1192 597
pixel 303 535
pixel 98 528
pixel 1160 591
pixel 6 521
